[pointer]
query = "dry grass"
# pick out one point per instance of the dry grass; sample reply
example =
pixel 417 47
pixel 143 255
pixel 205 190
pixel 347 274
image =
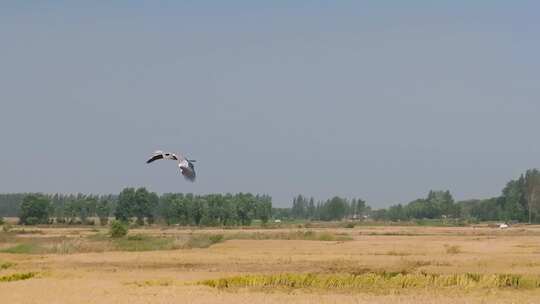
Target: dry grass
pixel 454 249
pixel 397 253
pixel 155 265
pixel 38 242
pixel 150 283
pixel 307 235
pixel 203 241
pixel 384 281
pixel 6 265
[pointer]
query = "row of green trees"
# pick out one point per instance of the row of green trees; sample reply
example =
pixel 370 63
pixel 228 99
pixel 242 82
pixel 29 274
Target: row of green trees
pixel 143 207
pixel 332 209
pixel 519 201
pixel 10 204
pixel 66 208
pixel 215 209
pixel 146 207
pixel 437 204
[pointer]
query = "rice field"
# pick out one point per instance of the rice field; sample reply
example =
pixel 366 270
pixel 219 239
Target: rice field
pixel 364 264
pixel 373 281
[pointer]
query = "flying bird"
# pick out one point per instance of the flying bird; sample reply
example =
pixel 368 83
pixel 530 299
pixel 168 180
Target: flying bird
pixel 186 165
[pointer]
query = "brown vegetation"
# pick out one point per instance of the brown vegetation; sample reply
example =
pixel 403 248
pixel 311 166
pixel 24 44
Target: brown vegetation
pixel 403 264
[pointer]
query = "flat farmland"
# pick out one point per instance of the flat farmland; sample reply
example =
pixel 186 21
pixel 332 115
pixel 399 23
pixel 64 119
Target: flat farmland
pixel 378 264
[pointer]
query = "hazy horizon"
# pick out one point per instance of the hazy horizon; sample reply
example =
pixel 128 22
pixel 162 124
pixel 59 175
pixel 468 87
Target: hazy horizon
pixel 363 99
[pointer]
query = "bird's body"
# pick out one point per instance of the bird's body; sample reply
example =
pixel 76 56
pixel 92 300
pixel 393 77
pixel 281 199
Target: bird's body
pixel 186 165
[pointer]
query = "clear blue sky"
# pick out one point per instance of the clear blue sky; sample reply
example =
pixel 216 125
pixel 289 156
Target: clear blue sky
pixel 382 100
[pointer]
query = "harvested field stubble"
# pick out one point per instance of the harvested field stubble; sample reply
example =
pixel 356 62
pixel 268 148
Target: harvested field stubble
pixel 350 265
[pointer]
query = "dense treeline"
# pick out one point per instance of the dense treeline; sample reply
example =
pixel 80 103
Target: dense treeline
pixel 189 209
pixel 65 207
pixel 143 206
pixel 215 209
pixel 519 201
pixel 335 208
pixel 10 204
pixel 438 204
pixel 139 205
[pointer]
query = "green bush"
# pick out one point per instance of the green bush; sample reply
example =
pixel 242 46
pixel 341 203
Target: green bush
pixel 216 238
pixel 118 229
pixel 32 221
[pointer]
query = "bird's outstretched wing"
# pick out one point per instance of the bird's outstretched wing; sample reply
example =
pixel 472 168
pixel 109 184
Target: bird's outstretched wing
pixel 155 157
pixel 186 166
pixel 162 155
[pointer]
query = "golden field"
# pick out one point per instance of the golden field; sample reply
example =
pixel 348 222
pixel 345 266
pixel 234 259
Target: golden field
pixel 368 264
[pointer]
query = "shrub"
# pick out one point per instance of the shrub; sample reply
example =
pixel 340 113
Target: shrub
pixel 349 225
pixel 216 238
pixel 2 221
pixel 32 221
pixel 118 229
